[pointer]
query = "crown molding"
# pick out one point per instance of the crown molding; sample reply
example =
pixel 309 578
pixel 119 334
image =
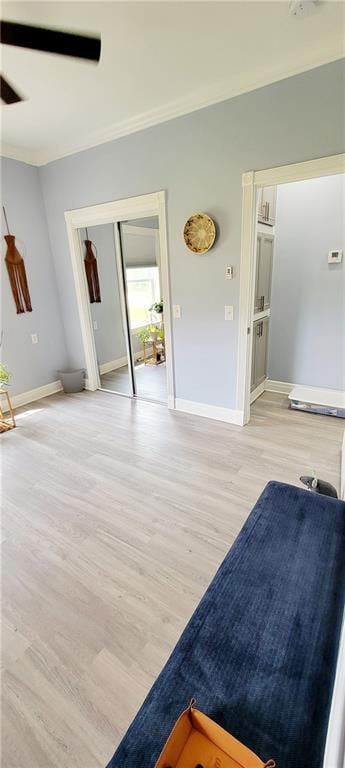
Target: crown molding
pixel 191 103
pixel 20 153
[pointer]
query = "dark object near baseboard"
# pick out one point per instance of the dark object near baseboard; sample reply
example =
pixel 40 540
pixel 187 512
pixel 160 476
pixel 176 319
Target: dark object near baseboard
pixel 319 486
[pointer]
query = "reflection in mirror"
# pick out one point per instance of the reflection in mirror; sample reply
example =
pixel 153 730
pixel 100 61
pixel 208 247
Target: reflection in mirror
pixel 141 260
pixel 103 285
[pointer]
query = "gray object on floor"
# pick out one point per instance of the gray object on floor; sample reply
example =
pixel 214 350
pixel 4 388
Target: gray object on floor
pixel 323 410
pixel 319 486
pixel 326 402
pixel 72 381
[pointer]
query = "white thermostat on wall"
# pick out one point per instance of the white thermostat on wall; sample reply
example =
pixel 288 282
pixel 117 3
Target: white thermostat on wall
pixel 335 257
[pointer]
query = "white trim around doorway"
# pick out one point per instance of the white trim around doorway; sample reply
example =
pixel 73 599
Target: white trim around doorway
pixel 111 213
pixel 251 181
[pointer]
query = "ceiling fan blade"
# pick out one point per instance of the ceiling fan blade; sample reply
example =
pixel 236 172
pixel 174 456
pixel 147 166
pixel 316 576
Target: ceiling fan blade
pixel 50 41
pixel 7 93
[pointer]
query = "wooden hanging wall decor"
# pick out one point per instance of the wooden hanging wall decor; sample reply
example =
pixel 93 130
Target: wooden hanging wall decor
pixel 16 272
pixel 91 271
pixel 199 233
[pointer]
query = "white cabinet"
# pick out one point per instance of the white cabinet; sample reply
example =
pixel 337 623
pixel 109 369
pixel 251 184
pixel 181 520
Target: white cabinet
pixel 259 352
pixel 267 205
pixel 263 273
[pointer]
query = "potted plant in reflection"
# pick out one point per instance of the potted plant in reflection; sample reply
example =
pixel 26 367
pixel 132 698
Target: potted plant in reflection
pixel 4 376
pixel 143 334
pixel 153 332
pixel 156 310
pixel 157 307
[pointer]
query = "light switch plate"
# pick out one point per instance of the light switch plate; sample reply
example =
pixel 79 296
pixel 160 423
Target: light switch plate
pixel 34 338
pixel 177 311
pixel 228 312
pixel 95 325
pixel 229 272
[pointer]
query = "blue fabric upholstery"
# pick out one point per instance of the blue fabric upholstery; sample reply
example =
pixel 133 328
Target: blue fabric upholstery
pixel 259 653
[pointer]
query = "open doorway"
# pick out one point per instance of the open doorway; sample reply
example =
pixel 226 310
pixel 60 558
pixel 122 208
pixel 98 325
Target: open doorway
pixel 292 283
pixel 298 328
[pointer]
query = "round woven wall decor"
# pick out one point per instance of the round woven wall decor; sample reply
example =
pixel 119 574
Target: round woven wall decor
pixel 199 233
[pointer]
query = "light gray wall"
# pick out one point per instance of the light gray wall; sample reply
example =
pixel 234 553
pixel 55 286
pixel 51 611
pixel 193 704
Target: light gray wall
pixel 139 249
pixel 199 160
pixel 109 336
pixel 307 327
pixel 149 222
pixel 31 365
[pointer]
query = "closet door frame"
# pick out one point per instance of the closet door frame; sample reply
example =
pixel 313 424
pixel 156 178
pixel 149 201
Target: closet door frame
pixel 114 213
pixel 124 304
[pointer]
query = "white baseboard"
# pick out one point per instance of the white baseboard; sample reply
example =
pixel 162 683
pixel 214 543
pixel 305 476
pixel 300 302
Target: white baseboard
pixel 118 363
pixel 113 365
pixel 33 394
pixel 139 356
pixel 258 391
pixel 283 387
pixel 210 411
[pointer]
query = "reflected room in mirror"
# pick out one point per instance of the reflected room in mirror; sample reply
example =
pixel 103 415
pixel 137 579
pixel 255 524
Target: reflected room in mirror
pixel 141 262
pixel 126 306
pixel 106 314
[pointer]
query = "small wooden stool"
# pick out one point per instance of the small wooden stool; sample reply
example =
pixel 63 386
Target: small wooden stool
pixel 157 355
pixel 6 422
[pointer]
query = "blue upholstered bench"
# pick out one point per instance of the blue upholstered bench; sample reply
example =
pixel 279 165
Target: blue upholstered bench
pixel 259 653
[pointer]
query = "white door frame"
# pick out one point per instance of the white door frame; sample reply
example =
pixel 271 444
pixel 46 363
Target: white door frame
pixel 111 213
pixel 311 169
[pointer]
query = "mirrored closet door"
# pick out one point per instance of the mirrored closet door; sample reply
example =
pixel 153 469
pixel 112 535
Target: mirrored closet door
pixel 107 316
pixel 139 245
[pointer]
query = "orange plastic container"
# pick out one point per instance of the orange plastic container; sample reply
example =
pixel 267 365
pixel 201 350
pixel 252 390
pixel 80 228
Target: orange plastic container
pixel 198 741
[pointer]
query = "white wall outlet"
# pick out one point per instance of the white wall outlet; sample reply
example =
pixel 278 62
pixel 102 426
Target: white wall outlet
pixel 95 325
pixel 229 272
pixel 228 312
pixel 335 257
pixel 34 338
pixel 177 311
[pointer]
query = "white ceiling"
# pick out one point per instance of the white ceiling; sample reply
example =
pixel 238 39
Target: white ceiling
pixel 159 60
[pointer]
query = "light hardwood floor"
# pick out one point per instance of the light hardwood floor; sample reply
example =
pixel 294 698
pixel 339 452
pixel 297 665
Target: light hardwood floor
pixel 116 516
pixel 150 381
